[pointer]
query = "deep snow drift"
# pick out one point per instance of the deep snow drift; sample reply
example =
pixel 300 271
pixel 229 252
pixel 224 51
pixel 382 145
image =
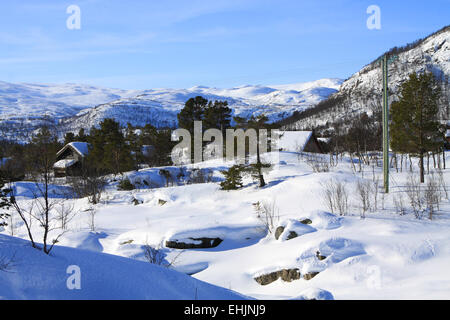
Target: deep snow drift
pixel 34 275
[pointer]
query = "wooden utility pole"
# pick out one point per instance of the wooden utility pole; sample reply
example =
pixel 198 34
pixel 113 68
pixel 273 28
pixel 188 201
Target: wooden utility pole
pixel 384 66
pixel 385 60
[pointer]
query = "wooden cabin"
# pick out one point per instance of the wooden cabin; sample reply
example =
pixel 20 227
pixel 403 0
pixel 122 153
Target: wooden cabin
pixel 69 160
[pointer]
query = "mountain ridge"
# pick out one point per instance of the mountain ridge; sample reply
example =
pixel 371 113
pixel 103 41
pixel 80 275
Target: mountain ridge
pixel 25 107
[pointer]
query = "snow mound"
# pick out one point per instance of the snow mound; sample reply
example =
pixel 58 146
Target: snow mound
pixel 103 276
pixel 324 220
pixel 296 226
pixel 339 249
pixel 314 294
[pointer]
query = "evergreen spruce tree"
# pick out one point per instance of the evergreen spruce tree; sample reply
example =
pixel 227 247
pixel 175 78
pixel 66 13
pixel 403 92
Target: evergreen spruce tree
pixel 415 128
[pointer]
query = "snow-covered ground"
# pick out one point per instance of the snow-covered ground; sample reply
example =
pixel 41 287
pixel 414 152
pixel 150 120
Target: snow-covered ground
pixel 384 256
pixel 34 275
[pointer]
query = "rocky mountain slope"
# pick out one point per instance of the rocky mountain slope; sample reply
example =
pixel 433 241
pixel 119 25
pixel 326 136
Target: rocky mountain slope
pixel 362 92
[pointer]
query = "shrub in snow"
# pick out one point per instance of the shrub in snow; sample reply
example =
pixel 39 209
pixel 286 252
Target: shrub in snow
pixel 125 185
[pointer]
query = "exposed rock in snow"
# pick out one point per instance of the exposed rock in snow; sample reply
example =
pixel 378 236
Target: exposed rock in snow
pixel 286 275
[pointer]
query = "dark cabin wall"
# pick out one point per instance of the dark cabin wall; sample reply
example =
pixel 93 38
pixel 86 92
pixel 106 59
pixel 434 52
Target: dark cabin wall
pixel 313 146
pixel 74 170
pixel 69 153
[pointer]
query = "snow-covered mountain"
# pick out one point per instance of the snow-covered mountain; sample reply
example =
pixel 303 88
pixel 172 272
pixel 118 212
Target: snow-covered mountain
pixel 23 107
pixel 362 92
pixel 160 106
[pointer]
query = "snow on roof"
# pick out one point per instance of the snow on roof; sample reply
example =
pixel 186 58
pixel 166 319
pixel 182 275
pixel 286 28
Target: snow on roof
pixel 81 148
pixel 294 141
pixel 62 164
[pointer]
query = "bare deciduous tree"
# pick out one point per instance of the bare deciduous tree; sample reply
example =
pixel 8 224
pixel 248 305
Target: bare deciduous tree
pixel 415 195
pixel 364 190
pixel 399 204
pixel 335 196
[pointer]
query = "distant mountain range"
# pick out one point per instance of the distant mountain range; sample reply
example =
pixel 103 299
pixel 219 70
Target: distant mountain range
pixel 25 107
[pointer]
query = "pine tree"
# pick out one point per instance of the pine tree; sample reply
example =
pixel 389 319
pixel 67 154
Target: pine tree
pixel 109 152
pixel 233 178
pixel 133 142
pixel 415 127
pixel 257 123
pixel 81 137
pixel 69 137
pixel 193 111
pixel 217 115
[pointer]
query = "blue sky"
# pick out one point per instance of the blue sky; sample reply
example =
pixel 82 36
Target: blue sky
pixel 138 44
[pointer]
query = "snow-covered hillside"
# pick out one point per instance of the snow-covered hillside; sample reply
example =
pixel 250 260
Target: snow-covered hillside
pixel 387 255
pixel 362 91
pixel 23 107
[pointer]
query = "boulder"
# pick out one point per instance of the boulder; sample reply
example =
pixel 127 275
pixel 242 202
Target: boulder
pixel 162 202
pixel 287 275
pixel 195 243
pixel 291 235
pixel 310 275
pixel 319 256
pixel 278 232
pixel 306 221
pixel 290 229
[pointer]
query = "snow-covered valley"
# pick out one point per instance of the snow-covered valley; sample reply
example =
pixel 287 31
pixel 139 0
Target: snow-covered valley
pixel 386 255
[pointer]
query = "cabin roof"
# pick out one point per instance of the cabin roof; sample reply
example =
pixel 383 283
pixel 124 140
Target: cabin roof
pixel 82 148
pixel 294 141
pixel 65 163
